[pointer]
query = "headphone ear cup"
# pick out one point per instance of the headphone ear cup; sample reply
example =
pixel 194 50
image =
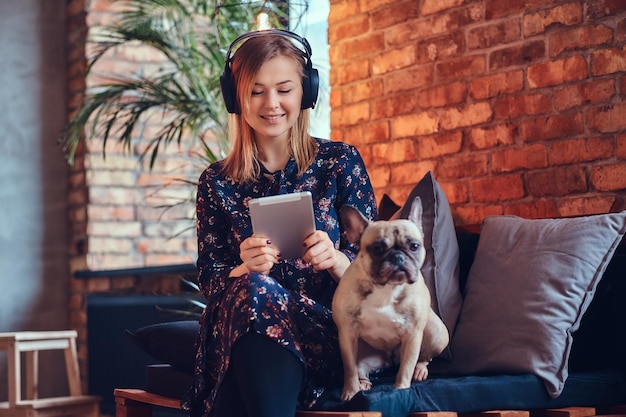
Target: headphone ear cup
pixel 310 88
pixel 229 92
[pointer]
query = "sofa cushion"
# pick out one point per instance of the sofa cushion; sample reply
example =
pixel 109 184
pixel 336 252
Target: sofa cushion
pixel 441 265
pixel 529 285
pixel 475 393
pixel 171 343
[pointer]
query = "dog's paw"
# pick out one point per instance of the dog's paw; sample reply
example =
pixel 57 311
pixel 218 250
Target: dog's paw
pixel 365 384
pixel 421 371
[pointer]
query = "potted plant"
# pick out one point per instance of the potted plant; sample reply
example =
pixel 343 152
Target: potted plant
pixel 191 36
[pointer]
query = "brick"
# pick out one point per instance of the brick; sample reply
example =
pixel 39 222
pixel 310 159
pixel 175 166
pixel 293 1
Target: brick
pixel 535 209
pixel 409 173
pixel 458 18
pixel 557 72
pixel 442 95
pixel 348 28
pixel 593 92
pixel 458 167
pixel 342 10
pixel 470 115
pixel 355 70
pixel 572 151
pixel 369 5
pixel 620 33
pixel 579 38
pixel 434 49
pixel 609 118
pixel 601 8
pixel 497 188
pixel 362 90
pixel 522 105
pixel 497 84
pixel 394 105
pixel 393 60
pixel 512 159
pixel 364 45
pixel 504 32
pixel 584 205
pixel 474 214
pixel 379 176
pixel 456 192
pixel 608 177
pixel 434 6
pixel 461 67
pixel 500 8
pixel 568 14
pixel 152 245
pixel 409 31
pixel 424 123
pixel 621 146
pixel 336 98
pixel 517 55
pixel 114 229
pixel 100 212
pixel 354 113
pixel 557 126
pixel 439 145
pixel 394 151
pixel 396 12
pixel 110 245
pixel 557 181
pixel 407 79
pixel 490 137
pixel 608 61
pixel 376 132
pixel 113 195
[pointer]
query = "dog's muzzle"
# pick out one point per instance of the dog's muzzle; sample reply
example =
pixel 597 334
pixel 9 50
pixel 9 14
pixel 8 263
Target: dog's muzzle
pixel 396 268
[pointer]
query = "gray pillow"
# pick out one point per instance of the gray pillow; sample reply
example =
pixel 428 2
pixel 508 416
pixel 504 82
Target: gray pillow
pixel 441 266
pixel 529 285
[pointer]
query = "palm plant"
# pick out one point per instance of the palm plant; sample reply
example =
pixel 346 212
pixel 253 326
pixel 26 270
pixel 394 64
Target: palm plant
pixel 192 36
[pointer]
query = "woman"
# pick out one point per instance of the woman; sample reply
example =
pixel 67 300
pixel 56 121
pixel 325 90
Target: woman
pixel 267 342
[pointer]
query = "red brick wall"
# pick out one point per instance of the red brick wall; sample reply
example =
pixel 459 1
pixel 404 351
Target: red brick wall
pixel 516 106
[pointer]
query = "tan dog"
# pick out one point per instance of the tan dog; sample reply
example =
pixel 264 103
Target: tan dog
pixel 382 306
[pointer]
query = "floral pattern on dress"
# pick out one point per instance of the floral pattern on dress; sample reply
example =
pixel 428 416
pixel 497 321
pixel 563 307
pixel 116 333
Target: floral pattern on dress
pixel 292 304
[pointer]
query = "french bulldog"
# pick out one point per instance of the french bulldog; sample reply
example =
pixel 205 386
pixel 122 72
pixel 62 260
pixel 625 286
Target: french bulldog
pixel 382 305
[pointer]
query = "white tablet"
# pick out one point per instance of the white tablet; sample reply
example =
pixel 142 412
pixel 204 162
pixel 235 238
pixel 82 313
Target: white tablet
pixel 285 219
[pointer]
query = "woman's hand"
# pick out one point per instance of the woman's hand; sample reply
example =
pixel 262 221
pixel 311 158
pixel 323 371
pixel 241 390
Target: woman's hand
pixel 322 255
pixel 258 255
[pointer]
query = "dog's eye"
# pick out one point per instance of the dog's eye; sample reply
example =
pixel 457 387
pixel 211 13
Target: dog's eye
pixel 415 246
pixel 377 249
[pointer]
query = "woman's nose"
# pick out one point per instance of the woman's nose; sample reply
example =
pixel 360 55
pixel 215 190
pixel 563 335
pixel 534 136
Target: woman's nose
pixel 271 100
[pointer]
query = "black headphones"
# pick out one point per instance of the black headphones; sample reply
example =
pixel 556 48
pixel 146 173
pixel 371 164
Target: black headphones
pixel 310 82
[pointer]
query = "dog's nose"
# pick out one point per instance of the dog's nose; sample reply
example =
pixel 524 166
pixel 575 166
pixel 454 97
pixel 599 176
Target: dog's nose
pixel 397 258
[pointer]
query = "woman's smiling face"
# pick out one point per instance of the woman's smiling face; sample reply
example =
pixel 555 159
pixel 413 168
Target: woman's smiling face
pixel 276 97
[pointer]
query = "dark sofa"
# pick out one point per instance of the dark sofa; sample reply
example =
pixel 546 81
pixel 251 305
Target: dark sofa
pixel 597 363
pixel 536 310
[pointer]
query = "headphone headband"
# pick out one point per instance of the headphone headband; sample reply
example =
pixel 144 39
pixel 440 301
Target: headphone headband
pixel 310 81
pixel 256 34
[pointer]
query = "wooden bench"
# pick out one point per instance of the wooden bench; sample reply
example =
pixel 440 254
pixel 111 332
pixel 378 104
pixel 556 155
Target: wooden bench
pixel 139 403
pixel 30 405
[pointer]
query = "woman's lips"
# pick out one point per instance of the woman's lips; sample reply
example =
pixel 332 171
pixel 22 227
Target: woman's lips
pixel 272 118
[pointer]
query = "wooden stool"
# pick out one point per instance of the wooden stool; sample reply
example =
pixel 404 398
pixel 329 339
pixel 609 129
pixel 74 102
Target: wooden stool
pixel 31 343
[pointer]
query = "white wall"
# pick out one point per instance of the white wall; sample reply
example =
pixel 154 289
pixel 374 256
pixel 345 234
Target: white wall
pixel 33 177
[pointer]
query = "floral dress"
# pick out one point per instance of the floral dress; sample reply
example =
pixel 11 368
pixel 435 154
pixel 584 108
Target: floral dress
pixel 292 304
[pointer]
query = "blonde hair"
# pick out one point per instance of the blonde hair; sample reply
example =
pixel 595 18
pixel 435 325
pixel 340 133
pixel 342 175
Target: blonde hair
pixel 242 163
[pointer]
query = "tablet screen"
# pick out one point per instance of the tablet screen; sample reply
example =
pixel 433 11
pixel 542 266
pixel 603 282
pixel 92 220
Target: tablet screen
pixel 285 219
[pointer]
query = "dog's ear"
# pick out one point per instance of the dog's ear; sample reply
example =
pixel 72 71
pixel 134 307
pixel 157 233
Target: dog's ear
pixel 354 223
pixel 415 215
